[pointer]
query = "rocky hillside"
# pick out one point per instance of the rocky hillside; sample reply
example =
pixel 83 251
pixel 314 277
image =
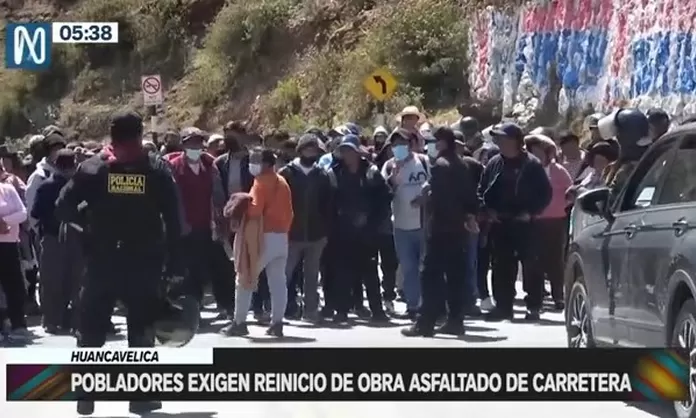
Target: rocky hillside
pixel 276 63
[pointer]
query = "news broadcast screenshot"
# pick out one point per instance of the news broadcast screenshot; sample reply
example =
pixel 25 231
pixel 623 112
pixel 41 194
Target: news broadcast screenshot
pixel 342 208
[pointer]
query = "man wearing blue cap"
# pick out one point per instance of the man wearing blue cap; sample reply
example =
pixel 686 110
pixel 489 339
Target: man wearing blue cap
pixel 362 199
pixel 514 189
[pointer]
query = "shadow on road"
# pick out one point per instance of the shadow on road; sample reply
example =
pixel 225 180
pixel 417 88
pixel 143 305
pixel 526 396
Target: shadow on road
pixel 288 339
pixel 657 409
pixel 174 415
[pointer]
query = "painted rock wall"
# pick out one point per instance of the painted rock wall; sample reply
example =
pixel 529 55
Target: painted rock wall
pixel 605 52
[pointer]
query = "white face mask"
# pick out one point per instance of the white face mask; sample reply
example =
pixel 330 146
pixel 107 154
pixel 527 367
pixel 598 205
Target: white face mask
pixel 255 169
pixel 432 149
pixel 194 154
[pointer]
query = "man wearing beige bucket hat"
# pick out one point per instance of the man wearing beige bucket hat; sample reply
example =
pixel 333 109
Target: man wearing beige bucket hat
pixel 410 117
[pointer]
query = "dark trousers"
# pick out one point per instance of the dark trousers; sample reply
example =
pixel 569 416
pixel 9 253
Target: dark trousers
pixel 223 277
pixel 62 270
pixel 261 298
pixel 353 261
pixel 135 280
pixel 442 278
pixel 295 286
pixel 388 263
pixel 328 272
pixel 482 266
pixel 208 263
pixel 551 237
pixel 511 244
pixel 12 282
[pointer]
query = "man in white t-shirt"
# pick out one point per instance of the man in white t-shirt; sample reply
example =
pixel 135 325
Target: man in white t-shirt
pixel 406 173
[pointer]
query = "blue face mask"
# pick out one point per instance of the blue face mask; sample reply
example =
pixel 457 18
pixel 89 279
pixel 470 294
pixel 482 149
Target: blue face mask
pixel 400 152
pixel 194 154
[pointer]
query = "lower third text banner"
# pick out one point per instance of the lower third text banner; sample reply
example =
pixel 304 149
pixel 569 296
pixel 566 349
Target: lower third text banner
pixel 369 374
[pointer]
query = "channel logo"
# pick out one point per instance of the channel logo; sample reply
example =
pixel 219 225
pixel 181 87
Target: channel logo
pixel 28 45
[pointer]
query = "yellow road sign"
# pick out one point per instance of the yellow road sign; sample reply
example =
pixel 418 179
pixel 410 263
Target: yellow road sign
pixel 380 84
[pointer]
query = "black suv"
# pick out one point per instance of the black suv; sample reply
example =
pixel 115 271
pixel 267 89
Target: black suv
pixel 631 268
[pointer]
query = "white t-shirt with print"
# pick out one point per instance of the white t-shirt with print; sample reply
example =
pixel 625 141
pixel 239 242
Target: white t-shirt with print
pixel 408 184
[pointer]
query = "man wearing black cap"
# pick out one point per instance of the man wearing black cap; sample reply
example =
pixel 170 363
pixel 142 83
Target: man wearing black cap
pixel 132 229
pixel 51 144
pixel 362 201
pixel 514 189
pixel 61 265
pixel 451 209
pixel 311 203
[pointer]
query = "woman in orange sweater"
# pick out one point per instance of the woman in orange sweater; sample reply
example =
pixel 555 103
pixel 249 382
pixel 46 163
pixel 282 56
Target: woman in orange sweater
pixel 272 202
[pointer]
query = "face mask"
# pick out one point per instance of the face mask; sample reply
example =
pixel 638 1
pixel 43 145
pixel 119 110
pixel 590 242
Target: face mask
pixel 255 169
pixel 432 149
pixel 400 152
pixel 308 161
pixel 194 154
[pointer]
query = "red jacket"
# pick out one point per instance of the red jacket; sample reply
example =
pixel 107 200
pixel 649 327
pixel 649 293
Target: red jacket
pixel 196 189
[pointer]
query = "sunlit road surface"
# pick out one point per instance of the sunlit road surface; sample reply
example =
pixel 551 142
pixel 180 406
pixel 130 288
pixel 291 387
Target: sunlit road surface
pixel 548 333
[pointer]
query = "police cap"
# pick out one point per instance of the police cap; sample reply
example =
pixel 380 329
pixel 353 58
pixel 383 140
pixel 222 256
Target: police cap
pixel 126 126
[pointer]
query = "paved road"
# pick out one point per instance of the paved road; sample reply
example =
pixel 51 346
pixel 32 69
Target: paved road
pixel 548 333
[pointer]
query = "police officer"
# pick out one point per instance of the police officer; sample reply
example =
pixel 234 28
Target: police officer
pixel 630 127
pixel 132 229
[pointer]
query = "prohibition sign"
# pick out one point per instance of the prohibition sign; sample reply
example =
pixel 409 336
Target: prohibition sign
pixel 151 85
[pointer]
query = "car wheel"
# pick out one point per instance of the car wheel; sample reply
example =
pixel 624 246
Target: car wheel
pixel 578 323
pixel 684 336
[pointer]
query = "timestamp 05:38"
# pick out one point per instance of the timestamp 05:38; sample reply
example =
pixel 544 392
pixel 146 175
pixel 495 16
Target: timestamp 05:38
pixel 84 32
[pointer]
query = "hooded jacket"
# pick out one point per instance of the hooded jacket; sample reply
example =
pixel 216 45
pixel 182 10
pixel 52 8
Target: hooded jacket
pixel 311 201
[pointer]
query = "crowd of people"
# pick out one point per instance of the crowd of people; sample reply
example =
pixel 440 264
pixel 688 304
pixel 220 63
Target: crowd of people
pixel 417 213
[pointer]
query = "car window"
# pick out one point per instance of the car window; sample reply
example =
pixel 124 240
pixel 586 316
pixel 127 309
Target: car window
pixel 680 183
pixel 641 191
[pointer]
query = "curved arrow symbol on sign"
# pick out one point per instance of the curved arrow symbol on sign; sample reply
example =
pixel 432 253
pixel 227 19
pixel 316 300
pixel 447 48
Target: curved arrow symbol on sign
pixel 379 80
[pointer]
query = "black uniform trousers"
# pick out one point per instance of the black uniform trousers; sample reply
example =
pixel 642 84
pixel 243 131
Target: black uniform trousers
pixel 388 263
pixel 511 245
pixel 132 277
pixel 206 264
pixel 442 276
pixel 353 257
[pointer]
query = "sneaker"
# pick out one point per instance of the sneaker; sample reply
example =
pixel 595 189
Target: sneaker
pixel 451 328
pixel 487 304
pixel 362 312
pixel 532 315
pixel 262 318
pixel 498 315
pixel 143 407
pixel 473 312
pixel 275 330
pixel 389 307
pixel 312 317
pixel 85 407
pixel 235 330
pixel 340 318
pixel 379 317
pixel 418 330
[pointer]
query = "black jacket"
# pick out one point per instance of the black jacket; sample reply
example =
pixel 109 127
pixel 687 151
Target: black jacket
pixel 452 196
pixel 43 209
pixel 127 204
pixel 531 194
pixel 223 165
pixel 311 202
pixel 361 201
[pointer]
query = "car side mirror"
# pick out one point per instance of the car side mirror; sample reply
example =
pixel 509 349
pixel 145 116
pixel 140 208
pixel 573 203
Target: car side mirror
pixel 596 203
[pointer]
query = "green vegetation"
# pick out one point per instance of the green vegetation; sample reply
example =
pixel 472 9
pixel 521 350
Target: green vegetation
pixel 279 63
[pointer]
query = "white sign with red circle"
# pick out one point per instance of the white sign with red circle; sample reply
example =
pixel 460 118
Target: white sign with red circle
pixel 151 86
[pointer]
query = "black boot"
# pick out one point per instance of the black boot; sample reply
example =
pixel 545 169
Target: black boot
pixel 143 407
pixel 85 407
pixel 451 328
pixel 418 330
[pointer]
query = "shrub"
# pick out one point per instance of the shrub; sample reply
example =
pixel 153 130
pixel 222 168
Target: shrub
pixel 241 33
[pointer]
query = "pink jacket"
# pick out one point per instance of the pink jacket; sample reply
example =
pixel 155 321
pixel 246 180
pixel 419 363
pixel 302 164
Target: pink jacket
pixel 560 182
pixel 12 211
